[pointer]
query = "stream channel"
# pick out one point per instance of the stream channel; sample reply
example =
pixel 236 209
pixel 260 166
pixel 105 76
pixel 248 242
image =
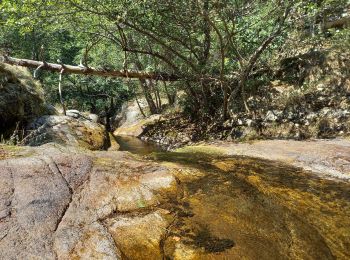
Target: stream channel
pixel 247 208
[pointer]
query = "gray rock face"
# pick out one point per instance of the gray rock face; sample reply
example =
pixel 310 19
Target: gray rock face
pixel 73 113
pixel 58 203
pixel 271 116
pixel 94 118
pixel 67 130
pixel 34 195
pixel 82 115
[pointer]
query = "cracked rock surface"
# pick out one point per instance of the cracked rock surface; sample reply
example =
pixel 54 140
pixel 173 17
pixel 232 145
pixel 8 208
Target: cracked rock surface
pixel 57 203
pixel 65 203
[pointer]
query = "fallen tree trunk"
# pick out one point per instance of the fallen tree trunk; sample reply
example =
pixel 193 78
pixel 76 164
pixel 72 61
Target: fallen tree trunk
pixel 89 70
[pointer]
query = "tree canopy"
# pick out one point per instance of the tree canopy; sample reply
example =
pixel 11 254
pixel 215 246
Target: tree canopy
pixel 215 47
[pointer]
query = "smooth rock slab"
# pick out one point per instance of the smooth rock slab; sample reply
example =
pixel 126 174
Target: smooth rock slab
pixel 139 237
pixel 31 213
pixel 55 201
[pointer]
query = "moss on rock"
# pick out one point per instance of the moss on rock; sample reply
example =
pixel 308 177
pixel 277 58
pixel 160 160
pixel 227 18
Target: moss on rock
pixel 21 98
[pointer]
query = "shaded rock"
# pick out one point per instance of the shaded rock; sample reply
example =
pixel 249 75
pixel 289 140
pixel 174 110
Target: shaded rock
pixel 51 110
pixel 21 98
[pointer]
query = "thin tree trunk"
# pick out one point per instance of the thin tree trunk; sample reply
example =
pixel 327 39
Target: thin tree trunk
pixel 159 100
pixel 154 89
pixel 225 101
pixel 138 104
pixel 244 97
pixel 60 92
pixel 148 96
pixel 107 126
pixel 154 92
pixel 170 96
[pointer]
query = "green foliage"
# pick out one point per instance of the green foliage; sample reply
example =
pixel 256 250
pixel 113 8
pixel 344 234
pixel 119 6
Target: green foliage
pixel 221 49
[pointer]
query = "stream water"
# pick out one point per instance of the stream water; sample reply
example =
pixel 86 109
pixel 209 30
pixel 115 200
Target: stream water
pixel 136 146
pixel 246 208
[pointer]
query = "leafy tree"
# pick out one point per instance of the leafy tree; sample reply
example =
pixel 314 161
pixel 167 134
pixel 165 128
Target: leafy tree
pixel 216 48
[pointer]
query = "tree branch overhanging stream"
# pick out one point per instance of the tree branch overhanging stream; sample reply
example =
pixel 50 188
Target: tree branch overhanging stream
pixel 82 70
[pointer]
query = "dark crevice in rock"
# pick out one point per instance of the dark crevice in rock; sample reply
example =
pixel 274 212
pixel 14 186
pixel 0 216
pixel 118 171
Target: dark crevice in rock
pixel 117 249
pixel 80 187
pixel 5 235
pixel 55 169
pixel 59 220
pixel 139 212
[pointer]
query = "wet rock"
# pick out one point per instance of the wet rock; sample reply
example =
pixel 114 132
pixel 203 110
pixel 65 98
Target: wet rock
pixel 139 237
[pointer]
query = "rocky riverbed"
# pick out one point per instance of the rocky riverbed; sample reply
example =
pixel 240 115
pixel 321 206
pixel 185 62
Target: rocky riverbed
pixel 197 203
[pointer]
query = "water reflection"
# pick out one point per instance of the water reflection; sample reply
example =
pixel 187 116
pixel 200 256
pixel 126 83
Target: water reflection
pixel 136 146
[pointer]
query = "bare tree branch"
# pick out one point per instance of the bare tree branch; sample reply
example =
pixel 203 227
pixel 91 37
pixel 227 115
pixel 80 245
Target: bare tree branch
pixel 90 71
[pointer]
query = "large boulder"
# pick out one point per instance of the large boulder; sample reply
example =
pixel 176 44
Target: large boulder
pixel 129 113
pixel 80 132
pixel 131 122
pixel 21 98
pixel 57 202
